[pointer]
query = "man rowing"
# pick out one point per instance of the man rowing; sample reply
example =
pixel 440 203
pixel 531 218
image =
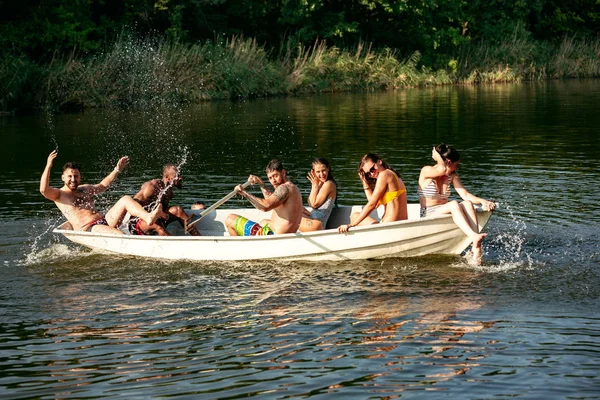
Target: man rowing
pixel 160 192
pixel 285 202
pixel 76 201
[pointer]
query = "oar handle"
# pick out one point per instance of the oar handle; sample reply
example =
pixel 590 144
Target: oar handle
pixel 214 206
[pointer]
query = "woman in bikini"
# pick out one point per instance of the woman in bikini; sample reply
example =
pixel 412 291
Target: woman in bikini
pixel 434 190
pixel 382 186
pixel 322 198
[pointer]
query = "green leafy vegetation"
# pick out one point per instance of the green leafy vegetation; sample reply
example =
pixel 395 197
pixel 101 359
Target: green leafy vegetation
pixel 67 54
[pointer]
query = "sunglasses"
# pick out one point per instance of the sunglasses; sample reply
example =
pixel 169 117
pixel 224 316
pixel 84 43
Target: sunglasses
pixel 371 171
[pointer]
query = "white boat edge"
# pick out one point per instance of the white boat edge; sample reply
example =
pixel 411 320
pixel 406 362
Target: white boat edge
pixel 413 237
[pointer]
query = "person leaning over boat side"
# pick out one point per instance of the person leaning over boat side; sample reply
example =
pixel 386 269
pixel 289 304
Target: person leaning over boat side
pixel 198 206
pixel 76 201
pixel 382 186
pixel 434 189
pixel 160 191
pixel 322 198
pixel 285 202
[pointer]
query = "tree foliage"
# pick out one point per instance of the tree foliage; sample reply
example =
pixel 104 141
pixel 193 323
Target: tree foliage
pixel 435 28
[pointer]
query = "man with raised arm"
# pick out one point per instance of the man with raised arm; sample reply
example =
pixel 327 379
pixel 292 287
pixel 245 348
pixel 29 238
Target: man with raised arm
pixel 76 201
pixel 285 202
pixel 160 191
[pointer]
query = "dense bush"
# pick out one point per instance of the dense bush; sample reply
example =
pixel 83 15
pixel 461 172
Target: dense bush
pixel 91 53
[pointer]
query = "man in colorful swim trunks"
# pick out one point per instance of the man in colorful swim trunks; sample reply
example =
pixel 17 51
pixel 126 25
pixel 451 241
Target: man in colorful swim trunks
pixel 285 202
pixel 245 227
pixel 76 201
pixel 160 191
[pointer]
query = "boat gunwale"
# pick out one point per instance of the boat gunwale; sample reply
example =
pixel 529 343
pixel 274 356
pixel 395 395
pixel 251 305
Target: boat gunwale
pixel 372 227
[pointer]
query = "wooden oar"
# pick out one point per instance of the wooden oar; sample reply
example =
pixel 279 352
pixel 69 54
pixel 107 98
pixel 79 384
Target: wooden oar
pixel 219 203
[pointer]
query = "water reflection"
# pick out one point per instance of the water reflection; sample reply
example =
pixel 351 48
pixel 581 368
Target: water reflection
pixel 78 323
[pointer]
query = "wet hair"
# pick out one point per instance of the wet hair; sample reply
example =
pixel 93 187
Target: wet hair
pixel 325 162
pixel 373 158
pixel 169 166
pixel 71 165
pixel 274 165
pixel 448 152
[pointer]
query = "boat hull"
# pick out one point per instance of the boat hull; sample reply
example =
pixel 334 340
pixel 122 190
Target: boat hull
pixel 413 237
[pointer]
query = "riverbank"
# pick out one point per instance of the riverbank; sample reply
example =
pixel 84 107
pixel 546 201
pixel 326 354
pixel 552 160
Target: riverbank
pixel 144 72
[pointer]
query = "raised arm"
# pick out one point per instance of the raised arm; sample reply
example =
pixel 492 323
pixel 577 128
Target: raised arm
pixel 255 180
pixel 109 179
pixel 365 185
pixel 270 202
pixel 465 195
pixel 433 171
pixel 49 192
pixel 319 193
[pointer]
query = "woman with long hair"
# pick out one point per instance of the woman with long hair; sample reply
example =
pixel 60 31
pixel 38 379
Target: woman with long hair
pixel 434 189
pixel 322 198
pixel 382 186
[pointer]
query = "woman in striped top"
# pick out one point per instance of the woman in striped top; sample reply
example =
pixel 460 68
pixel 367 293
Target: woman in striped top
pixel 434 190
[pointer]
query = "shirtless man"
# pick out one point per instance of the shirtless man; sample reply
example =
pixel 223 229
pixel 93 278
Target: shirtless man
pixel 160 190
pixel 76 201
pixel 285 201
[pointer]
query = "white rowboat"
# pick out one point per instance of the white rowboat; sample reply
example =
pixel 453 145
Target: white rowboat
pixel 413 237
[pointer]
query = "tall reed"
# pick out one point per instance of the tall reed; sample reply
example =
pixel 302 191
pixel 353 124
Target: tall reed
pixel 134 72
pixel 522 59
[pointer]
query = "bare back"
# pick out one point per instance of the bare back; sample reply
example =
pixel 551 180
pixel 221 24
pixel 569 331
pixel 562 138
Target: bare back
pixel 396 209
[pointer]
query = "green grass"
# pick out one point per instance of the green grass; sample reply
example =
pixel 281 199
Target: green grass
pixel 136 72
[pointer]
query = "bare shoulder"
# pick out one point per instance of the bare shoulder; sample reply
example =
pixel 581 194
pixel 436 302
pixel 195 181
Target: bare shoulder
pixel 388 175
pixel 151 183
pixel 329 185
pixel 283 191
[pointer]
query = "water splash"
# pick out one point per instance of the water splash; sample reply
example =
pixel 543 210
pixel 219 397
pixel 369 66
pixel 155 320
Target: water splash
pixel 178 166
pixel 508 244
pixel 35 247
pixel 54 253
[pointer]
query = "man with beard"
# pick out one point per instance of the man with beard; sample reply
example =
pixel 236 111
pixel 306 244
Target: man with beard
pixel 160 191
pixel 76 201
pixel 285 201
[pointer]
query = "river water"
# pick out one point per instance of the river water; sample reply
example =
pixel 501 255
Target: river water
pixel 79 324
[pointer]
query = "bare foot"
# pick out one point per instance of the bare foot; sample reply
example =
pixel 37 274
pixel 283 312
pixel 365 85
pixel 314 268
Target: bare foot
pixel 477 257
pixel 476 247
pixel 477 239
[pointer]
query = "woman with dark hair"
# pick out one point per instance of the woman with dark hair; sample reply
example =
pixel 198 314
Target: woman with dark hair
pixel 322 198
pixel 434 189
pixel 382 186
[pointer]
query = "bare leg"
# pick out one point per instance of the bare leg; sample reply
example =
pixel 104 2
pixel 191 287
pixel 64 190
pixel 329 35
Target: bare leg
pixel 105 229
pixel 310 225
pixel 230 224
pixel 367 221
pixel 464 223
pixel 469 211
pixel 147 229
pixel 127 204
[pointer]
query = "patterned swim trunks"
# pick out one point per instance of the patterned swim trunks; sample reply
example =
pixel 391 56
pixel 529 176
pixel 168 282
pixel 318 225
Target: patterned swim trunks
pixel 245 227
pixel 88 227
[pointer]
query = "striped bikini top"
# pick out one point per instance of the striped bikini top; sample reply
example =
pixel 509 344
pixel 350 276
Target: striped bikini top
pixel 432 192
